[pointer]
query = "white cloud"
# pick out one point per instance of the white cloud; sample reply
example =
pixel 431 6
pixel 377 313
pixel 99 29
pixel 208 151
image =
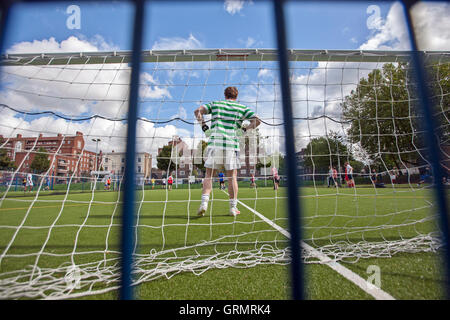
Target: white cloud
pixel 250 42
pixel 234 6
pixel 111 133
pixel 75 90
pixel 151 89
pixel 71 44
pixel 177 43
pixel 311 98
pixel 263 73
pixel 431 24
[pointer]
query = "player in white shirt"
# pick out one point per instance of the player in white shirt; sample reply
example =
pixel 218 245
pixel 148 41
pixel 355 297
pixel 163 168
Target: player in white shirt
pixel 349 169
pixel 393 177
pixel 29 184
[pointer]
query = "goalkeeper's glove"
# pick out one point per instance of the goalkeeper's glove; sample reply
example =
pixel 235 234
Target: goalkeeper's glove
pixel 241 132
pixel 206 130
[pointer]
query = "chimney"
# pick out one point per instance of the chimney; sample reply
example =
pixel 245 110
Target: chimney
pixel 40 135
pixel 19 135
pixel 79 133
pixel 59 135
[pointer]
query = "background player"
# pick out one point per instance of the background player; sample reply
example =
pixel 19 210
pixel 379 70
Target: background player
pixel 349 173
pixel 169 182
pixel 29 182
pixel 276 178
pixel 221 180
pixel 252 181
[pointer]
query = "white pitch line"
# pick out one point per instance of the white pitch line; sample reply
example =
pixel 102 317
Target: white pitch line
pixel 369 288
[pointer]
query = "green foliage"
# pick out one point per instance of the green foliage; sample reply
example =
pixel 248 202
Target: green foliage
pixel 164 159
pixel 260 165
pixel 356 165
pixel 281 167
pixel 200 166
pixel 5 162
pixel 383 113
pixel 40 162
pixel 440 89
pixel 325 151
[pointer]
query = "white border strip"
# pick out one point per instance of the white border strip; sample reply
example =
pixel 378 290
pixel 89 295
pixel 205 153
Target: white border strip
pixel 369 288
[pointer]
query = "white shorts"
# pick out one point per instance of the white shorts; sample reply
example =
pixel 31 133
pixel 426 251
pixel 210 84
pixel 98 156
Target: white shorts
pixel 218 158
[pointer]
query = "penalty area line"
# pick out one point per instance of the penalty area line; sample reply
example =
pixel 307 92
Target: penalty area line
pixel 367 287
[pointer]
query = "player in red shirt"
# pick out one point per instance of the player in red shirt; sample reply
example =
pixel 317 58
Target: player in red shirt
pixel 276 178
pixel 170 182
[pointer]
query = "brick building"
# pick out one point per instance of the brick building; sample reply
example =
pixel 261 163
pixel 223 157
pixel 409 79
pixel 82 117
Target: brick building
pixel 66 151
pixel 114 162
pixel 184 159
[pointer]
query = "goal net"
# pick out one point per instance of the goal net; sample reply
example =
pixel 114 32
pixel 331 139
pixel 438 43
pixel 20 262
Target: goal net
pixel 360 148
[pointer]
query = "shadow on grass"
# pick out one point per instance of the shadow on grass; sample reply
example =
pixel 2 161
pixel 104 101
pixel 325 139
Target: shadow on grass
pixel 441 281
pixel 158 216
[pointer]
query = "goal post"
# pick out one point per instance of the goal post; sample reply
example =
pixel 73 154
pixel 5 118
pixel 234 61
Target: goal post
pixel 360 147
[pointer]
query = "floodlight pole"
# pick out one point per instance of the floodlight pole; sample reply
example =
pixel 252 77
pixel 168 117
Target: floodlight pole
pixel 96 150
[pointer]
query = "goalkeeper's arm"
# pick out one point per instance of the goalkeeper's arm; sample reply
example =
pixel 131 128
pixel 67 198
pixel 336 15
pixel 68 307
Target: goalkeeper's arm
pixel 254 122
pixel 199 112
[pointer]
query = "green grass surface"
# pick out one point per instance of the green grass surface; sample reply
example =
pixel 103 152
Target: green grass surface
pixel 87 225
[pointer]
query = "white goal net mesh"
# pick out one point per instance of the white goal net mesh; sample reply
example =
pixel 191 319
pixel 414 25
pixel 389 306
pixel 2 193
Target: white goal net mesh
pixel 361 154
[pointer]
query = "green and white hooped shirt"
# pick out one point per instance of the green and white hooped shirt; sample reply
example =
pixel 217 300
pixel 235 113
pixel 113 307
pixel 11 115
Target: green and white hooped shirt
pixel 226 119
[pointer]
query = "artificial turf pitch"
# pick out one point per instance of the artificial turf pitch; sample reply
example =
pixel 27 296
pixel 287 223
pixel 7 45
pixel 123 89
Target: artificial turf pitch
pixel 85 225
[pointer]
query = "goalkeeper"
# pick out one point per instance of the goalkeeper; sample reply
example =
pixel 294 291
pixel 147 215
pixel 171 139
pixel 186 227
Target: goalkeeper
pixel 227 117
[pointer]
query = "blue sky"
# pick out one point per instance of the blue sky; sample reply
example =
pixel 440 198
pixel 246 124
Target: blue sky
pixel 311 25
pixel 195 25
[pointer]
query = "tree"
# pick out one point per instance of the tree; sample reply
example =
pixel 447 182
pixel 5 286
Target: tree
pixel 164 159
pixel 5 162
pixel 281 169
pixel 384 116
pixel 440 88
pixel 40 162
pixel 260 165
pixel 322 152
pixel 200 163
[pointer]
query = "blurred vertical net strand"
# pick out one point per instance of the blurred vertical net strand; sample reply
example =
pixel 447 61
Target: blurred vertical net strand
pixel 341 223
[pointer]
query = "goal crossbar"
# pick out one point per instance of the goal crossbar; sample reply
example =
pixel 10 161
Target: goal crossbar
pixel 212 55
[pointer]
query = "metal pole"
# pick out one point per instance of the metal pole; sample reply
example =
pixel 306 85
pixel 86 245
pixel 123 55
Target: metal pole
pixel 5 6
pixel 128 214
pixel 96 150
pixel 294 213
pixel 432 133
pixel 176 166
